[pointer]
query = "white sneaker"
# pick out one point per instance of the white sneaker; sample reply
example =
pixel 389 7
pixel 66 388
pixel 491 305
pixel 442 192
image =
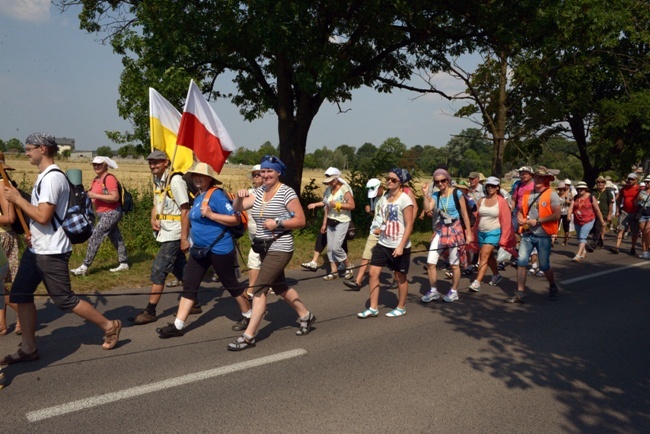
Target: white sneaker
pixel 430 296
pixel 122 267
pixel 81 271
pixel 532 271
pixel 475 286
pixel 645 255
pixel 540 273
pixel 451 296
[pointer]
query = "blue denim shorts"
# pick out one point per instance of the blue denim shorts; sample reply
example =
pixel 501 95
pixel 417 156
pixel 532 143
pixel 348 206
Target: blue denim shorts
pixel 530 242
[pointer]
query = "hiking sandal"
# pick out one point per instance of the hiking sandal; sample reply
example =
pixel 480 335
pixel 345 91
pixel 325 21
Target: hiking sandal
pixel 111 338
pixel 241 343
pixel 305 324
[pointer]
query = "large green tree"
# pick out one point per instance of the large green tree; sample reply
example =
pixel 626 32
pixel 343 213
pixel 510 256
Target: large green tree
pixel 287 57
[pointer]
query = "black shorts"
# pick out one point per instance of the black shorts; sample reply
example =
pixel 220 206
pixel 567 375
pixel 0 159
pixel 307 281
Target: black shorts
pixel 382 256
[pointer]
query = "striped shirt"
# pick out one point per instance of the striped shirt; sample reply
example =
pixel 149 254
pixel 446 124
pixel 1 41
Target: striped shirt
pixel 274 208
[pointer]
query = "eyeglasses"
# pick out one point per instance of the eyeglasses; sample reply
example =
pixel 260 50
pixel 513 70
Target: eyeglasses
pixel 389 179
pixel 29 149
pixel 256 174
pixel 440 181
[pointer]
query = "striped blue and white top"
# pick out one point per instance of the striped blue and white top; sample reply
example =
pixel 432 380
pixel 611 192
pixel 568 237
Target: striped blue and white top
pixel 273 209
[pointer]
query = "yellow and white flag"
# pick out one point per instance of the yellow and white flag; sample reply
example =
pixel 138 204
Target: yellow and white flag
pixel 164 121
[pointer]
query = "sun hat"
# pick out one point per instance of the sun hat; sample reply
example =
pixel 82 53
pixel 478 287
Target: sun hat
pixel 561 184
pixel 543 171
pixel 601 179
pixel 582 184
pixel 255 168
pixel 2 161
pixel 526 169
pixel 373 187
pixel 331 174
pixel 492 180
pixel 201 169
pixel 462 185
pixel 105 160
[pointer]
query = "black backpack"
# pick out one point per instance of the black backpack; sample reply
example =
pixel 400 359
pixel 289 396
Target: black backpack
pixel 79 217
pixel 125 197
pixel 470 209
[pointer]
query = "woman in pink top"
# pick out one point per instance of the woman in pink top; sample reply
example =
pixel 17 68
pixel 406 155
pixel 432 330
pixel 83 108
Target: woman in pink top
pixel 106 198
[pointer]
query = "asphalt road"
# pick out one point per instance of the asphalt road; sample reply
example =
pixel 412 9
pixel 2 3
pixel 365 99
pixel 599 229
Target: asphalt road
pixel 477 365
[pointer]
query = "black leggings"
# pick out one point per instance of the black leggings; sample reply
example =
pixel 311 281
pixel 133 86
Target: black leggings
pixel 565 224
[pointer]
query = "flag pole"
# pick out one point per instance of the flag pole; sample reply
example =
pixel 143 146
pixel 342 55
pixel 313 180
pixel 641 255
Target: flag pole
pixel 19 212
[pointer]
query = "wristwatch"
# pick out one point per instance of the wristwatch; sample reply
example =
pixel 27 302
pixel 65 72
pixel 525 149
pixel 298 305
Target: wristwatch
pixel 279 223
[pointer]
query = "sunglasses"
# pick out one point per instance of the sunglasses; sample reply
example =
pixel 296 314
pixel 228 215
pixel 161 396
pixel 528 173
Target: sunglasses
pixel 372 188
pixel 257 174
pixel 440 181
pixel 389 179
pixel 631 179
pixel 491 186
pixel 561 189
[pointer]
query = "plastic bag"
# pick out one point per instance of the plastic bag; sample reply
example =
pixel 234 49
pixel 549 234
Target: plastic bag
pixel 503 255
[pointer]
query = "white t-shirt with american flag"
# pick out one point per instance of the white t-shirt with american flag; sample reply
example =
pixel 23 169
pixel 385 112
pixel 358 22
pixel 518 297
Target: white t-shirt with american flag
pixel 392 214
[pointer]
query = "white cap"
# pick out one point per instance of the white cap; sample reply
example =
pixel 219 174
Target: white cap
pixel 492 180
pixel 567 181
pixel 632 175
pixel 373 187
pixel 109 162
pixel 331 174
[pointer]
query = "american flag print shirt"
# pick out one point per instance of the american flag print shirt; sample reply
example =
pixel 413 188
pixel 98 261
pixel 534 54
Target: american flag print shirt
pixel 393 220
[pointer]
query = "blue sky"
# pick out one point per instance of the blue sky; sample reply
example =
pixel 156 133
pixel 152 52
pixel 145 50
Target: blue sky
pixel 59 79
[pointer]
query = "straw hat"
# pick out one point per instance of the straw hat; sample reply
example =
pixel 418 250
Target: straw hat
pixel 201 169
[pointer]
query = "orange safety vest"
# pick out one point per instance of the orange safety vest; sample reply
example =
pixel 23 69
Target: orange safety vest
pixel 544 208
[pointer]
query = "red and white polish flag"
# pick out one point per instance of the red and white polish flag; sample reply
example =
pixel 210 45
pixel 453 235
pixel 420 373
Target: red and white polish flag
pixel 202 131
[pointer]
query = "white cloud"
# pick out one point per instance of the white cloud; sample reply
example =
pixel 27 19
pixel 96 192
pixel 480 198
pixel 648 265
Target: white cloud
pixel 26 10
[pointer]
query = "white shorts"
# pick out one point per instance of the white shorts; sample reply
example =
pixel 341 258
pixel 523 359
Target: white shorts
pixel 434 253
pixel 254 261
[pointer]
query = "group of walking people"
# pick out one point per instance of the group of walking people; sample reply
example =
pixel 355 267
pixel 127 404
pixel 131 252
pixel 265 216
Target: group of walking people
pixel 476 219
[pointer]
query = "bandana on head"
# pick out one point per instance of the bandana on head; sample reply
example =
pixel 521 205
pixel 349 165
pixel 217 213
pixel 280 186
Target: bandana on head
pixel 40 139
pixel 274 163
pixel 442 172
pixel 403 175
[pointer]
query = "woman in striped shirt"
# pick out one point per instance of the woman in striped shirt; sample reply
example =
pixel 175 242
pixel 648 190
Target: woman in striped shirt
pixel 276 209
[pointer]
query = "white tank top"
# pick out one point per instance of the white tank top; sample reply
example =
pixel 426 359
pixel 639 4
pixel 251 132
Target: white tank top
pixel 489 217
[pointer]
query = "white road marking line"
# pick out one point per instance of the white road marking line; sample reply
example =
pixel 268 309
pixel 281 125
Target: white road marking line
pixel 602 273
pixel 58 410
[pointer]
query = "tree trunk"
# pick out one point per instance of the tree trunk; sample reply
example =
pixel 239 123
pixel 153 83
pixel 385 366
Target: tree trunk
pixel 577 126
pixel 498 136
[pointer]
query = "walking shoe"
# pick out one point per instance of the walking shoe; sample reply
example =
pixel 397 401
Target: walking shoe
pixel 496 279
pixel 311 266
pixel 552 292
pixel 396 312
pixel 532 271
pixel 645 255
pixel 501 266
pixel 430 296
pixel 143 317
pixel 196 309
pixel 241 324
pixel 122 267
pixel 540 273
pixel 304 324
pixel 81 271
pixel 368 313
pixel 633 251
pixel 449 274
pixel 469 270
pixel 518 297
pixel 349 274
pixel 589 247
pixel 475 286
pixel 614 250
pixel 352 285
pixel 451 296
pixel 331 276
pixel 241 343
pixel 576 258
pixel 169 331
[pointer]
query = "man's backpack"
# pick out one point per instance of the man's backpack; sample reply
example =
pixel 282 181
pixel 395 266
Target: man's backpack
pixel 192 191
pixel 77 223
pixel 125 197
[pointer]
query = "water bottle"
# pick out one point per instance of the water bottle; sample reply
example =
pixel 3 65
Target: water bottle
pixel 285 216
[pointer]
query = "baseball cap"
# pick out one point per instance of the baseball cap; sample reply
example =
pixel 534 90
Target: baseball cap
pixel 492 180
pixel 373 187
pixel 525 169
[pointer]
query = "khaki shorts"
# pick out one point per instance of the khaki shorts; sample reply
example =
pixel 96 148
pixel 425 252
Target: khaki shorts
pixel 371 242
